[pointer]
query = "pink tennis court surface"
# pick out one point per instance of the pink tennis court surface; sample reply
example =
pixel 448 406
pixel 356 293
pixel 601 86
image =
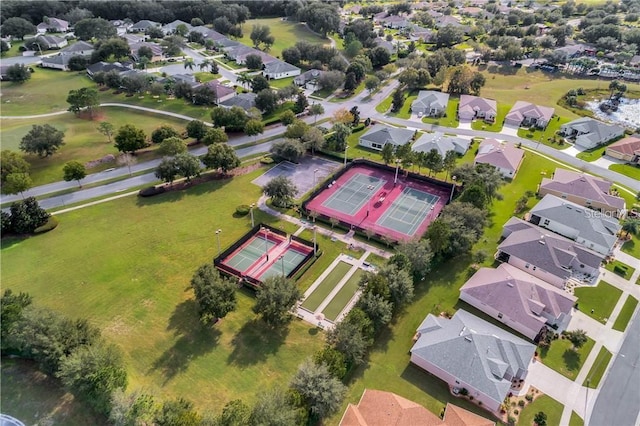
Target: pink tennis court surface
pixel 367 198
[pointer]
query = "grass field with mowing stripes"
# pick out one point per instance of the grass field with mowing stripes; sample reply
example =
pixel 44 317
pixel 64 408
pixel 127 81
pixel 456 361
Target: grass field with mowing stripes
pixel 322 291
pixel 625 314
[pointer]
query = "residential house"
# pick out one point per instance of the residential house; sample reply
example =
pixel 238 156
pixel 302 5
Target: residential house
pixel 519 300
pixel 387 45
pixel 79 48
pixel 592 229
pixel 589 133
pixel 527 114
pixel 470 353
pixel 576 50
pixel 505 157
pixel 379 408
pixel 49 42
pixel 106 67
pixel 275 70
pixel 584 190
pixel 546 255
pixel 627 149
pixel 441 143
pixel 394 21
pixel 380 135
pixel 57 62
pixel 223 93
pixel 156 50
pixel 171 27
pixel 420 33
pixel 143 25
pixel 208 33
pixel 132 38
pixel 224 43
pixel 472 107
pixel 190 79
pixel 308 78
pixel 430 103
pixel 61 61
pixel 52 25
pixel 241 58
pixel 122 26
pixel 246 101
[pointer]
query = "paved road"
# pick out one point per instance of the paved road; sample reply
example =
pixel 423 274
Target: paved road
pixel 618 402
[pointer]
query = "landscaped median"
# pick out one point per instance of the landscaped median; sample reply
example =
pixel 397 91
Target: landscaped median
pixel 598 369
pixel 625 314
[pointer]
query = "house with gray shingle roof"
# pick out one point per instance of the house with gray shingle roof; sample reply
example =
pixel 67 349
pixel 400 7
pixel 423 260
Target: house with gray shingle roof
pixel 526 114
pixel 592 229
pixel 47 42
pixel 171 27
pixel 505 157
pixel 380 135
pixel 519 300
pixel 53 25
pixel 79 48
pixel 245 101
pixel 441 143
pixel 143 25
pixel 275 70
pixel 584 190
pixel 468 352
pixel 309 77
pixel 589 133
pixel 430 103
pixel 546 255
pixel 473 107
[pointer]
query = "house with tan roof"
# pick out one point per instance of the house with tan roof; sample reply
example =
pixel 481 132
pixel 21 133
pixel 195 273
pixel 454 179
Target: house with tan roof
pixel 526 114
pixel 469 353
pixel 589 133
pixel 379 408
pixel 627 149
pixel 584 190
pixel 505 157
pixel 473 107
pixel 546 255
pixel 519 300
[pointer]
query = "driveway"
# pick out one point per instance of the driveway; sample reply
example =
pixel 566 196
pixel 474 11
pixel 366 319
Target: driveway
pixel 465 125
pixel 510 130
pixel 573 150
pixel 605 161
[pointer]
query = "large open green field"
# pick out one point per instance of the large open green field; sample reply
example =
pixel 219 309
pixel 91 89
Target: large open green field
pixel 285 33
pixel 126 265
pixel 82 140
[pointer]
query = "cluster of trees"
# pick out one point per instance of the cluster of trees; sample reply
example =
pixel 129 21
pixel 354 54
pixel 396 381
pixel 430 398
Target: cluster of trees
pixel 24 217
pixel 14 173
pixel 18 73
pixel 83 99
pixel 70 350
pixel 42 140
pixel 314 55
pixel 299 137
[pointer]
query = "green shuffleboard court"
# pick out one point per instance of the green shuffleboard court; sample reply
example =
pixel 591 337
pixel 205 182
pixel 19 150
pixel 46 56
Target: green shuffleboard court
pixel 244 258
pixel 343 296
pixel 354 193
pixel 408 211
pixel 321 292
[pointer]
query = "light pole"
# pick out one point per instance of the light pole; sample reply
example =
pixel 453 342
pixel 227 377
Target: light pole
pixel 251 211
pixel 395 180
pixel 315 250
pixel 370 188
pixel 345 154
pixel 281 259
pixel 218 236
pixel 266 242
pixel 314 177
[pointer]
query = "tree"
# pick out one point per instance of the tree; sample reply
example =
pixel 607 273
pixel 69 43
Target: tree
pixel 631 226
pixel 42 140
pixel 17 27
pixel 11 307
pixel 232 119
pixel 187 165
pixel 253 62
pixel 476 195
pixel 379 56
pixel 81 99
pixel 266 101
pixel 4 46
pixel 296 129
pixel 313 139
pixel 214 135
pixel 371 83
pixel 254 128
pixel 438 235
pixel 12 162
pixel 215 295
pixel 397 100
pixel 353 48
pixel 90 28
pixel 273 409
pixel 333 359
pixel 343 116
pixel 245 80
pixel 301 103
pixel 448 36
pixel 288 149
pixel 315 110
pixel 234 413
pixel 78 63
pixel 377 308
pixel 387 153
pixel 340 133
pixel 287 117
pixel 135 83
pixel 321 391
pixel 277 294
pixel 178 412
pixel 330 80
pixel 167 170
pixel 322 18
pixel 154 33
pixel 449 162
pixel 540 419
pixel 182 30
pixel 172 146
pixel 356 115
pixel 163 132
pixel 400 285
pixel 146 52
pixel 74 170
pixel 27 215
pixel 261 34
pixel 93 373
pixel 130 139
pixel 221 156
pixel 350 82
pixel 18 73
pixel 204 95
pixel 17 183
pixel 419 254
pixel 135 408
pixel 577 338
pixel 281 190
pixel 196 129
pixel 113 48
pixel 347 338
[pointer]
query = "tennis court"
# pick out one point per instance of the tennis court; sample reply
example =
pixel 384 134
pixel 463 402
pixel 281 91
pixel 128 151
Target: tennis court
pixel 247 255
pixel 354 193
pixel 288 262
pixel 408 211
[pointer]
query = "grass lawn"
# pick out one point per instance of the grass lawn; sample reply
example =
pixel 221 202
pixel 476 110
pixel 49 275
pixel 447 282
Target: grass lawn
pixel 575 420
pixel 14 51
pixel 46 91
pixel 598 368
pixel 35 398
pixel 343 296
pixel 82 141
pixel 204 77
pixel 601 299
pixel 451 117
pixel 283 82
pixel 503 109
pixel 163 103
pixel 632 246
pixel 357 91
pixel 322 291
pixel 562 358
pixel 384 106
pixel 546 136
pixel 592 154
pixel 627 170
pixel 625 271
pixel 138 292
pixel 625 314
pixel 285 33
pixel 551 407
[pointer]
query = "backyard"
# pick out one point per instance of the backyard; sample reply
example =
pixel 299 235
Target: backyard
pixel 599 301
pixel 563 358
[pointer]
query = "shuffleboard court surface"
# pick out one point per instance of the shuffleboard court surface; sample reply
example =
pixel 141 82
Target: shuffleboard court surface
pixel 408 211
pixel 354 193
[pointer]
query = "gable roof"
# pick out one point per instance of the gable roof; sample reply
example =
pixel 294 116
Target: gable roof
pixel 57 60
pixel 208 33
pixel 522 109
pixel 220 89
pixel 548 251
pixel 277 66
pixel 379 408
pixel 473 351
pixel 243 100
pixel 519 296
pixel 77 47
pixel 594 131
pixel 50 40
pixel 501 155
pixel 312 74
pixel 431 98
pixel 382 134
pixel 470 104
pixel 172 26
pixel 54 23
pixel 144 24
pixel 441 143
pixel 598 229
pixel 387 45
pixel 584 186
pixel 156 49
pixel 627 146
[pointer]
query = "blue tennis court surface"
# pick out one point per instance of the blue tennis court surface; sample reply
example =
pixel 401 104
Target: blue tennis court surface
pixel 408 211
pixel 248 254
pixel 354 193
pixel 290 259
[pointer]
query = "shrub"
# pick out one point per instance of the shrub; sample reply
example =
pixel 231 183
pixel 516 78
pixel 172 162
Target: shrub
pixel 243 210
pixel 521 403
pixel 529 397
pixel 516 412
pixel 50 225
pixel 151 191
pixel 512 420
pixel 266 160
pixel 464 392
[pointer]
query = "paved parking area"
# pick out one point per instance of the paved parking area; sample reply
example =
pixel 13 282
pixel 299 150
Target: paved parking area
pixel 305 175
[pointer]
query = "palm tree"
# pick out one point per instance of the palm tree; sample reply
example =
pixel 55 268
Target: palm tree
pixel 244 78
pixel 204 64
pixel 631 226
pixel 188 63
